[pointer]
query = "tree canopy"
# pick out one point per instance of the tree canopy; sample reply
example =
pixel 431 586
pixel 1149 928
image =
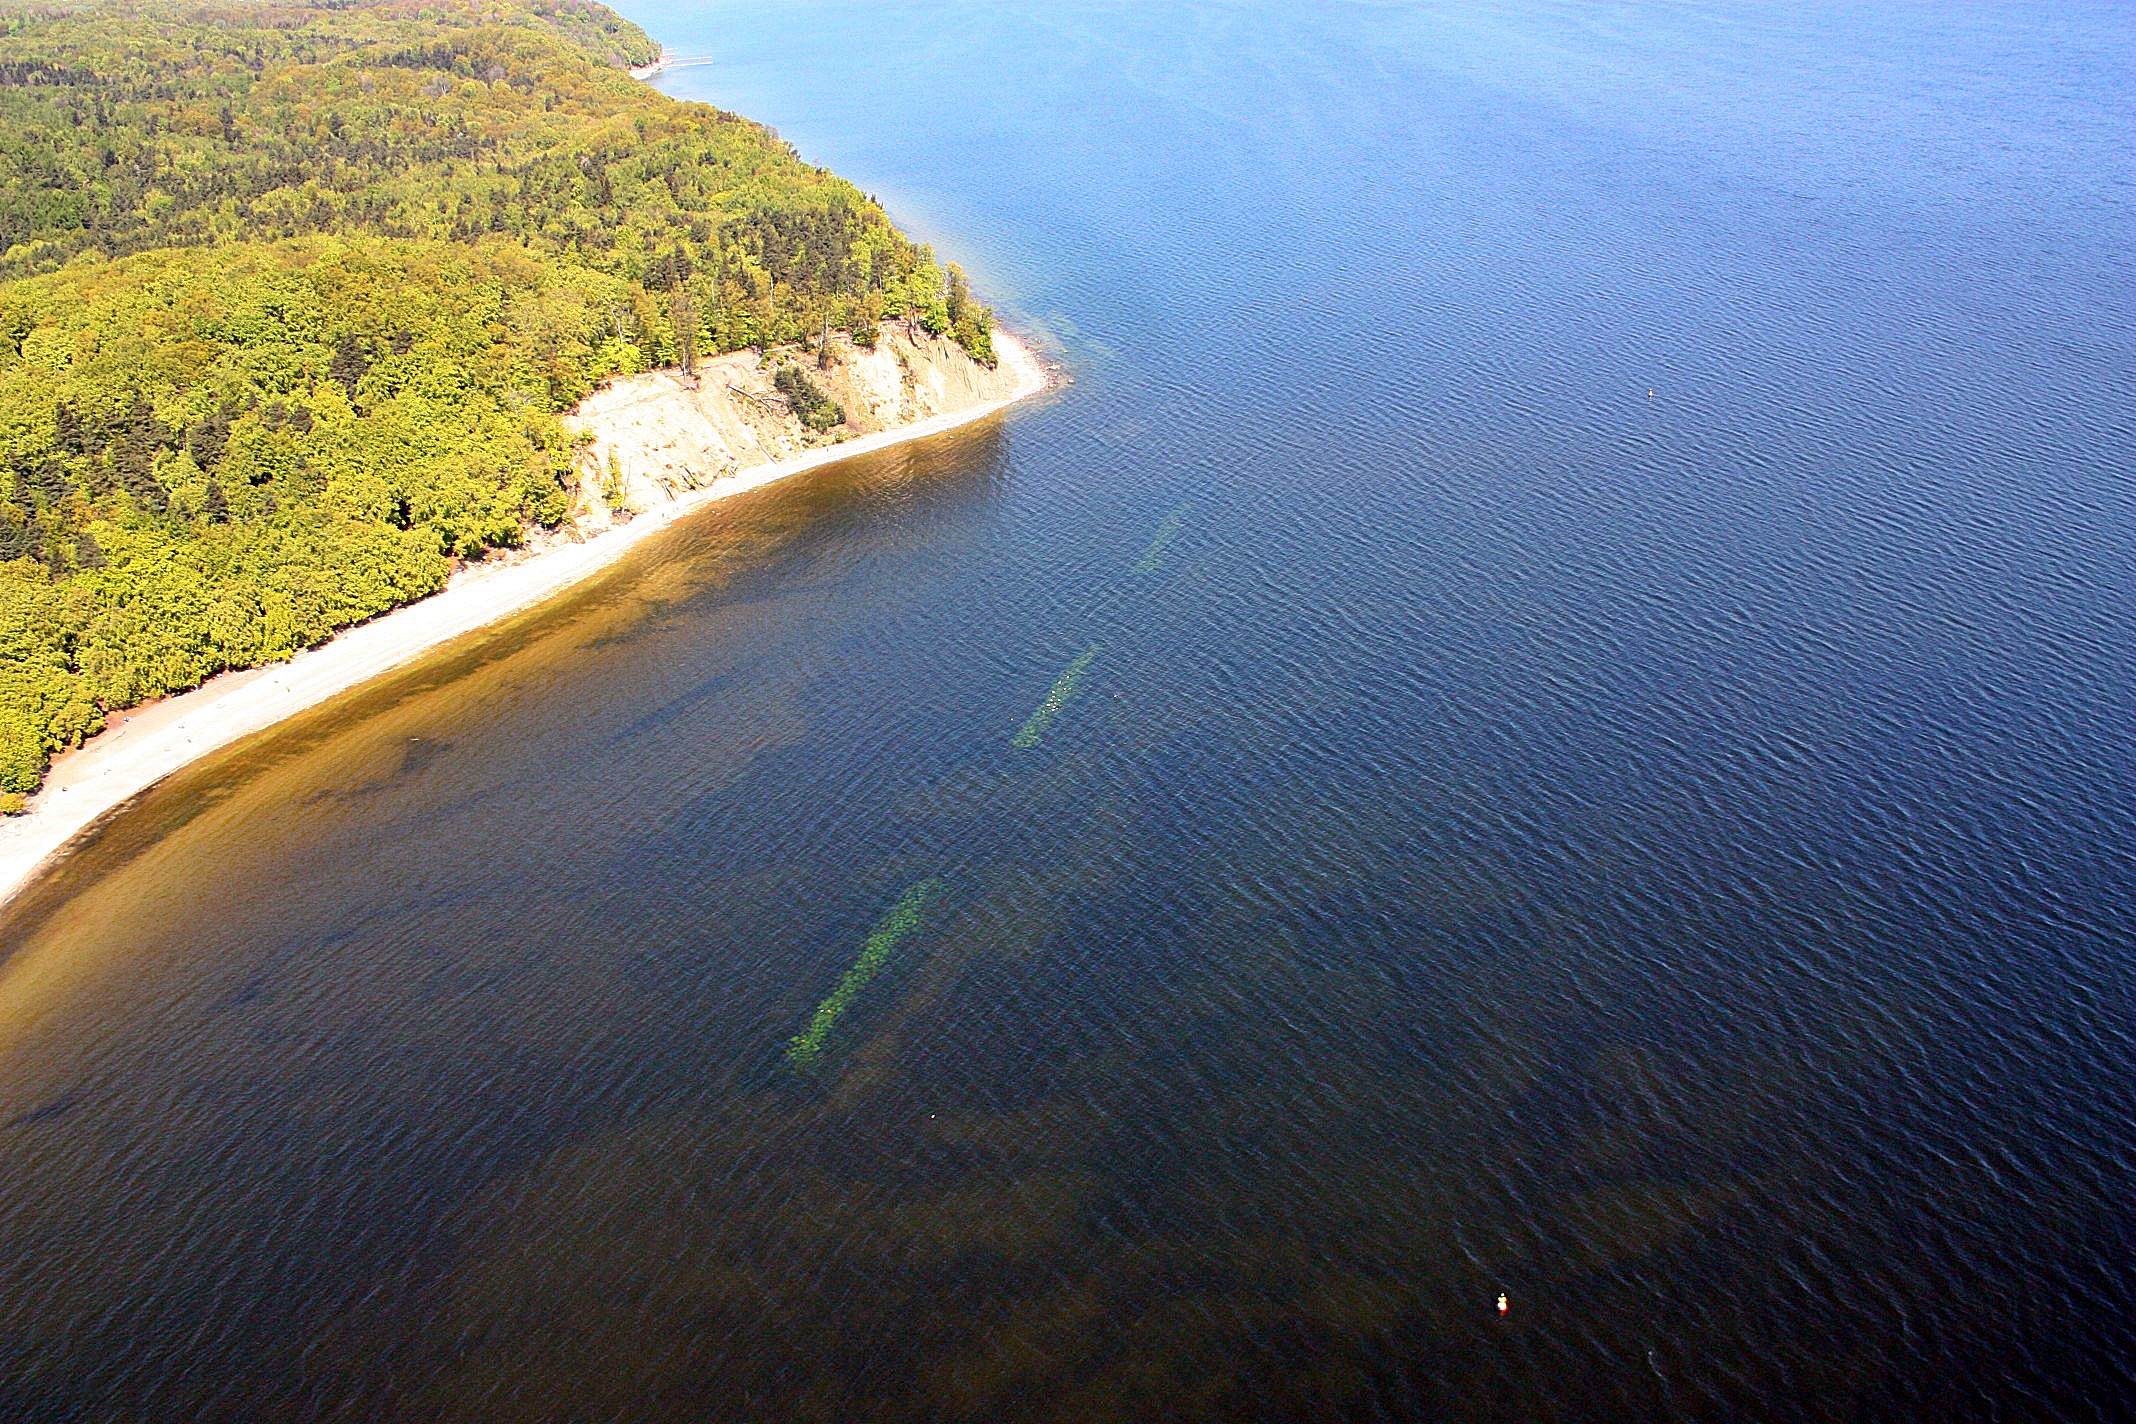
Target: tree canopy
pixel 292 294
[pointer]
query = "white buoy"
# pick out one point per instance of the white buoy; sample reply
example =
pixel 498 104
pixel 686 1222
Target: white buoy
pixel 1504 1305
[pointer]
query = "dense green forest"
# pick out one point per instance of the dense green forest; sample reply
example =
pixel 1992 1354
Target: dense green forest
pixel 291 296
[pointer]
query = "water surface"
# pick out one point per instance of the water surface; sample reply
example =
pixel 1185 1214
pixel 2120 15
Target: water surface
pixel 1549 713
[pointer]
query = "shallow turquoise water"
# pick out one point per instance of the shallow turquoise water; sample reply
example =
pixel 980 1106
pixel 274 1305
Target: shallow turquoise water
pixel 1605 776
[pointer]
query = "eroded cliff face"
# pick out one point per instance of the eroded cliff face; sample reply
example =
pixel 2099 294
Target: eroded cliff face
pixel 655 436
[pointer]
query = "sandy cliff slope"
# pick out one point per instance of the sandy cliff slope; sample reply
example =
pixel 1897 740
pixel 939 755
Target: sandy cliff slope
pixel 654 437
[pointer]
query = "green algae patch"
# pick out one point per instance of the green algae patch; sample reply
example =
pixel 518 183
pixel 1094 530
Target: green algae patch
pixel 904 917
pixel 1154 553
pixel 1057 697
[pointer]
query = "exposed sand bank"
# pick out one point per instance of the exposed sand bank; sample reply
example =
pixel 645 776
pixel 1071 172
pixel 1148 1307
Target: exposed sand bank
pixel 650 72
pixel 677 448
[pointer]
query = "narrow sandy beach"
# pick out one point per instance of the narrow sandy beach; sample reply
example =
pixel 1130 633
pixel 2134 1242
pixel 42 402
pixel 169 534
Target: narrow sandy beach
pixel 143 746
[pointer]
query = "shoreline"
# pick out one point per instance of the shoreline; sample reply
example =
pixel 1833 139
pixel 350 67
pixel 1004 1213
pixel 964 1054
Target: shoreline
pixel 144 745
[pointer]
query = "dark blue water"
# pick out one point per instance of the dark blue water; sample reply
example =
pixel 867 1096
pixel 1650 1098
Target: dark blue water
pixel 1605 774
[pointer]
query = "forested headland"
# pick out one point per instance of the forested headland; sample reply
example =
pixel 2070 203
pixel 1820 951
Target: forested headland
pixel 292 295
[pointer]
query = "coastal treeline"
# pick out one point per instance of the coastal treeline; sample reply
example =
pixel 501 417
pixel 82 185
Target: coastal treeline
pixel 291 297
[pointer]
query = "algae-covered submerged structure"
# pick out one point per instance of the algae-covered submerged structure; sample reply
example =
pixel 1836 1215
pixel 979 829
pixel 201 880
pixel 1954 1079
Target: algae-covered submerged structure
pixel 901 921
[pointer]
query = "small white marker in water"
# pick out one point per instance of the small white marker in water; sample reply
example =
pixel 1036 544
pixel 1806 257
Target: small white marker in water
pixel 1504 1305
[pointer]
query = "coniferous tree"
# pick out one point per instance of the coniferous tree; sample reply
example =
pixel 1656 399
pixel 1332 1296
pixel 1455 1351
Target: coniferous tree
pixel 959 296
pixel 685 333
pixel 349 363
